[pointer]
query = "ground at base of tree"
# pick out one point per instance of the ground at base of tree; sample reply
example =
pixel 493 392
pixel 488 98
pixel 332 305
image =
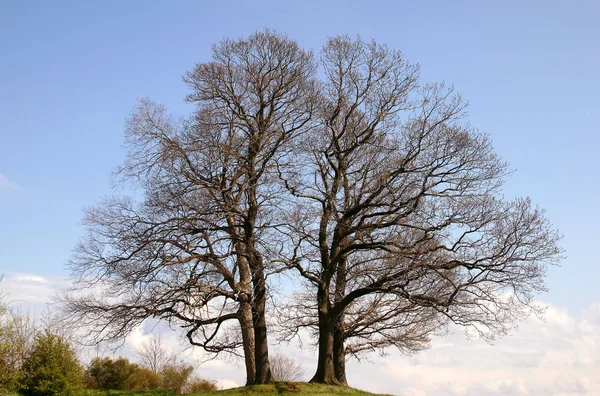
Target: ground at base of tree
pixel 277 388
pixel 296 388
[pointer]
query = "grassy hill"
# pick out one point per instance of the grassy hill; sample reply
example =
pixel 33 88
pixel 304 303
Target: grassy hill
pixel 298 389
pixel 278 388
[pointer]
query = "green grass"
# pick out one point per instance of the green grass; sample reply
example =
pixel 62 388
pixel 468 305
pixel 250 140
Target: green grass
pixel 278 388
pixel 295 388
pixel 157 392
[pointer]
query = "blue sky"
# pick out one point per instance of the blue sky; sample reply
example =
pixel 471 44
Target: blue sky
pixel 71 71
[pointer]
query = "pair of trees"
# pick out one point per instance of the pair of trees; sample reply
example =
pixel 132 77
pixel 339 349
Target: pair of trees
pixel 346 171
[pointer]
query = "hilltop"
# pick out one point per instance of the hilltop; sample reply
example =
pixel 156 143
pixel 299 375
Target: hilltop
pixel 278 388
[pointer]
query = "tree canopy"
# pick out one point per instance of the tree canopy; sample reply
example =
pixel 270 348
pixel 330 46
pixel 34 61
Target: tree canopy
pixel 344 170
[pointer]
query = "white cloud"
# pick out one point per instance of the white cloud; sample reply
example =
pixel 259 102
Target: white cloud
pixel 556 357
pixel 6 184
pixel 17 277
pixel 226 384
pixel 31 289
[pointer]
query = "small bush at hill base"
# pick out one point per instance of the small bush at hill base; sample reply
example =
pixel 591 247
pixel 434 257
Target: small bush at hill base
pixel 120 374
pixel 106 373
pixel 175 376
pixel 198 385
pixel 143 378
pixel 52 368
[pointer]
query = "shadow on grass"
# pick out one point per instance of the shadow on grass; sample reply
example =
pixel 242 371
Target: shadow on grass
pixel 285 387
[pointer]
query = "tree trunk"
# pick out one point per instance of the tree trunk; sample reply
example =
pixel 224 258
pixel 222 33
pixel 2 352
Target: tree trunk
pixel 339 351
pixel 263 369
pixel 246 324
pixel 245 318
pixel 259 290
pixel 325 367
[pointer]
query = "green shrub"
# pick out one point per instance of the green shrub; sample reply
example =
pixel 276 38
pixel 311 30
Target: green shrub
pixel 51 368
pixel 175 376
pixel 89 382
pixel 120 374
pixel 143 378
pixel 106 373
pixel 199 385
pixel 10 374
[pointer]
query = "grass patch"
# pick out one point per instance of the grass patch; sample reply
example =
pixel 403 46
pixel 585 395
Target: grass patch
pixel 296 388
pixel 277 388
pixel 156 392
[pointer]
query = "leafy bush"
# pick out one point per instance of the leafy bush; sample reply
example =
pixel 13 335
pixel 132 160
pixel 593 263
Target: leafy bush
pixel 10 373
pixel 142 378
pixel 89 382
pixel 120 374
pixel 51 368
pixel 175 376
pixel 198 385
pixel 106 373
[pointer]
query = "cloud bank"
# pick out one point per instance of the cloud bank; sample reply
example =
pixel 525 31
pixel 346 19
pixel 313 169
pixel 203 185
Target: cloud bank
pixel 30 289
pixel 558 356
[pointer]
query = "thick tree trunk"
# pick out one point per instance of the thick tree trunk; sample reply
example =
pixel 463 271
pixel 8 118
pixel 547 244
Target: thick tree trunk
pixel 247 326
pixel 261 346
pixel 339 351
pixel 325 367
pixel 246 320
pixel 263 369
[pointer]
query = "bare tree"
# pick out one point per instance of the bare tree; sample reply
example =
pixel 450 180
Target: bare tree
pixel 154 355
pixel 400 223
pixel 197 249
pixel 284 368
pixel 370 185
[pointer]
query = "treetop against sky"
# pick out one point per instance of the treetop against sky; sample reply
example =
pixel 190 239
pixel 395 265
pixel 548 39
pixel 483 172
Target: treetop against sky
pixel 69 80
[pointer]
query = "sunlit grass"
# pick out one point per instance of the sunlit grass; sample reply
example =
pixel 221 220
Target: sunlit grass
pixel 278 388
